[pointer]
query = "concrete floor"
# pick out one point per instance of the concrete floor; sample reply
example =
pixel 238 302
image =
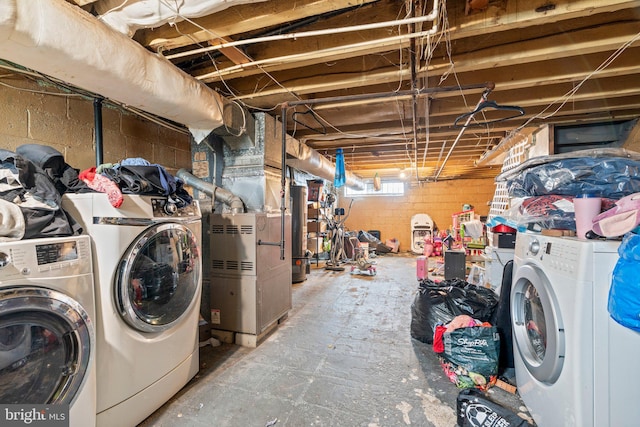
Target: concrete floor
pixel 344 357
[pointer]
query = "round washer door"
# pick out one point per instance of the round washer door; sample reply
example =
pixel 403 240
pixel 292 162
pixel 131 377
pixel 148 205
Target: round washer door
pixel 537 324
pixel 159 277
pixel 45 346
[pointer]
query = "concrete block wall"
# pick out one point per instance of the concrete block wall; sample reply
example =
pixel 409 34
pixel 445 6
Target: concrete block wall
pixel 66 123
pixel 392 215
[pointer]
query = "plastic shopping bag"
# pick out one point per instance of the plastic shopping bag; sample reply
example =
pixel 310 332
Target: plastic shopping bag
pixel 470 357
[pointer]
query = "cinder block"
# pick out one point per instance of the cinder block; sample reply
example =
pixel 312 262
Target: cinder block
pixel 14 121
pixel 114 146
pixel 164 155
pixel 173 138
pixel 80 111
pixel 138 148
pixel 183 159
pixel 79 159
pixel 138 128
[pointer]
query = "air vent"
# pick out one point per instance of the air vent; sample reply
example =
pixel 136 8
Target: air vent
pixel 246 229
pixel 217 229
pixel 232 265
pixel 246 266
pixel 217 264
pixel 232 229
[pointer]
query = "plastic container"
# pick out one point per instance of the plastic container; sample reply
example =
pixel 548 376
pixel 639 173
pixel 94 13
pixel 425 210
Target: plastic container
pixel 422 267
pixel 586 207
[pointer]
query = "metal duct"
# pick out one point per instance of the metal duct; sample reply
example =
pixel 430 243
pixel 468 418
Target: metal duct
pixel 65 42
pixel 215 192
pixel 305 158
pixel 309 160
pixel 265 142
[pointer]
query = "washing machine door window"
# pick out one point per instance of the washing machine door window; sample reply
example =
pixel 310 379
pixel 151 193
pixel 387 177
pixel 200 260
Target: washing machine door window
pixel 158 278
pixel 45 346
pixel 537 324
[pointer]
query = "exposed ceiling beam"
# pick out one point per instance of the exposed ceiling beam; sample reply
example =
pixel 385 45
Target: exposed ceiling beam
pixel 239 19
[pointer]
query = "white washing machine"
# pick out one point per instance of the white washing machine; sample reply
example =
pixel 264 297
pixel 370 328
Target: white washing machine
pixel 148 284
pixel 575 366
pixel 47 337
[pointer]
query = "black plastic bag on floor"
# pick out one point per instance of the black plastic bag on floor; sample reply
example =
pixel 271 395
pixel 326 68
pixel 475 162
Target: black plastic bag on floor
pixel 374 242
pixel 440 302
pixel 427 310
pixel 475 409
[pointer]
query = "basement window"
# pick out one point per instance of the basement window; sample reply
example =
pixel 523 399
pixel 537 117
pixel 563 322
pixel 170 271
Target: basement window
pixel 386 189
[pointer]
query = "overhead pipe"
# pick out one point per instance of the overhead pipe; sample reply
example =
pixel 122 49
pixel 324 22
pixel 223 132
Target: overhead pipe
pixel 414 96
pixel 490 86
pixel 218 193
pixel 317 53
pixel 329 31
pixel 289 58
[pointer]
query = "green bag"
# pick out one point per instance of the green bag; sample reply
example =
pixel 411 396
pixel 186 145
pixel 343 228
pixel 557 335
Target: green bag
pixel 471 355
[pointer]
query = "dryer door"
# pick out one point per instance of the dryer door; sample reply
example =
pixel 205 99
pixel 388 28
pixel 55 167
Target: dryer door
pixel 45 346
pixel 159 277
pixel 538 330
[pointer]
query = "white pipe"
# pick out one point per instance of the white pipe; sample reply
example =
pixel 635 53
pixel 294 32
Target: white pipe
pixel 65 42
pixel 289 58
pixel 328 31
pixel 317 53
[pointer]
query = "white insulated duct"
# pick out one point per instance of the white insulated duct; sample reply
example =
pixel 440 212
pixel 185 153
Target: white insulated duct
pixel 127 17
pixel 64 42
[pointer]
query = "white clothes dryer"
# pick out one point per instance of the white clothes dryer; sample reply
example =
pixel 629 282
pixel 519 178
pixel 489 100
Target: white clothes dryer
pixel 575 366
pixel 148 285
pixel 47 336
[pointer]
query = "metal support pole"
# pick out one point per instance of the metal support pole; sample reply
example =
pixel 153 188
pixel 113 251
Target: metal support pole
pixel 283 178
pixel 97 119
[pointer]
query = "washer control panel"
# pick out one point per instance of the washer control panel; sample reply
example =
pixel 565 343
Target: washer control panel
pixel 45 257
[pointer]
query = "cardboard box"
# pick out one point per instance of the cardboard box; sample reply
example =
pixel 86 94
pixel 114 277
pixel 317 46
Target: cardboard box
pixel 312 212
pixel 316 227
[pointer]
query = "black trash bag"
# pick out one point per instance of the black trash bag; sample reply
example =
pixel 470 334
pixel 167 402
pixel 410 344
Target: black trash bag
pixel 466 298
pixel 374 242
pixel 501 319
pixel 441 302
pixel 427 310
pixel 475 409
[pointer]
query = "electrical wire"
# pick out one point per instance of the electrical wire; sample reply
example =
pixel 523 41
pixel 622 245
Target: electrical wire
pixel 100 17
pixel 178 15
pixel 41 92
pixel 206 30
pixel 565 98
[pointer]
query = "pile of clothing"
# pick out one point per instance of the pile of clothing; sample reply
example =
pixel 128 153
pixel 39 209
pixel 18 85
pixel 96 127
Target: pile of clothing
pixel 541 191
pixel 34 178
